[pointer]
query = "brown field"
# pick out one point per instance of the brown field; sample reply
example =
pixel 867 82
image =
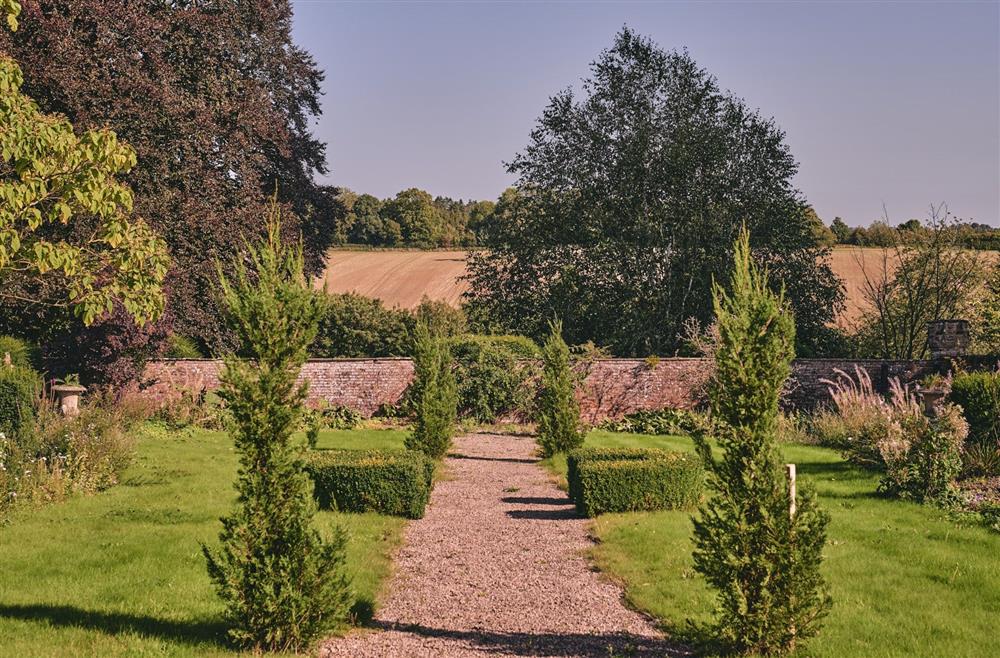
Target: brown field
pixel 402 278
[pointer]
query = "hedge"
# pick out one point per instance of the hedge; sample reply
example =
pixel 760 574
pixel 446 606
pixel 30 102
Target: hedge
pixel 581 455
pixel 629 480
pixel 394 482
pixel 978 393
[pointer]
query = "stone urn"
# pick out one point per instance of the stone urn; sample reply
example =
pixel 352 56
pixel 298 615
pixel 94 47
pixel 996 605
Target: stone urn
pixel 69 398
pixel 932 399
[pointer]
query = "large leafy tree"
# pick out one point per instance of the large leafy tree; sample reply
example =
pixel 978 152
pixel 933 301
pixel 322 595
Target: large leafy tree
pixel 64 216
pixel 216 100
pixel 627 204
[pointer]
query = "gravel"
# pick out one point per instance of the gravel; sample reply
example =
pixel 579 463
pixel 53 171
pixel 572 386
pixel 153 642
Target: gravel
pixel 497 567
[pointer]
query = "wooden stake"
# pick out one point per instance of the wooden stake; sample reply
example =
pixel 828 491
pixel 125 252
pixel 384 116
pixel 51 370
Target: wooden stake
pixel 790 470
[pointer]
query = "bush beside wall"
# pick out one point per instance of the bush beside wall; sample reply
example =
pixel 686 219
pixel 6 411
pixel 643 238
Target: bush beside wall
pixel 978 393
pixel 393 482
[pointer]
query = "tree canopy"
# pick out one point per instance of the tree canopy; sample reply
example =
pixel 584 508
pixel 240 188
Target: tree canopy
pixel 628 201
pixel 215 99
pixel 64 216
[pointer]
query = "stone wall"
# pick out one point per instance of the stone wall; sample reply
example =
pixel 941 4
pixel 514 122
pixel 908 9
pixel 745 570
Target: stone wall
pixel 610 387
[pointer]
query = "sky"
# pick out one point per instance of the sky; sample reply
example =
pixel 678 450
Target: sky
pixel 889 107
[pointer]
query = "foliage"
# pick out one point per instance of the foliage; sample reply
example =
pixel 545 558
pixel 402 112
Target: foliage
pixel 356 326
pixel 111 353
pixel 981 459
pixel 441 318
pixel 669 481
pixel 215 133
pixel 65 215
pixel 20 388
pixel 22 353
pixel 182 347
pixel 762 560
pixel 283 584
pixel 985 315
pixel 627 203
pixel 978 394
pixel 559 426
pixel 925 464
pixel 864 424
pixel 927 278
pixel 412 218
pixel 658 421
pixel 184 407
pixel 394 482
pixel 581 455
pixel 436 395
pixel 494 375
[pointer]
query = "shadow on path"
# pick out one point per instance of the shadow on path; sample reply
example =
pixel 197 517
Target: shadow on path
pixel 513 460
pixel 191 632
pixel 552 644
pixel 564 514
pixel 536 500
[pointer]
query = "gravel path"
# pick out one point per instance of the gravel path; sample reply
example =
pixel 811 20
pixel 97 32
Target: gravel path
pixel 497 568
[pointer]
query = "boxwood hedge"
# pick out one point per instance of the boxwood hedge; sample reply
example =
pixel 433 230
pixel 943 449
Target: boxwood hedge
pixel 394 482
pixel 633 479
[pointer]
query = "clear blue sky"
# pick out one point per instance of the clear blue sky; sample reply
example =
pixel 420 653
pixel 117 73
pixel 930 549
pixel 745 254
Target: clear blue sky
pixel 883 102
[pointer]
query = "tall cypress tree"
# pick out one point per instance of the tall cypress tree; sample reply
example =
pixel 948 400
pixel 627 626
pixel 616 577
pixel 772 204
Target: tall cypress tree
pixel 435 394
pixel 559 427
pixel 763 561
pixel 282 583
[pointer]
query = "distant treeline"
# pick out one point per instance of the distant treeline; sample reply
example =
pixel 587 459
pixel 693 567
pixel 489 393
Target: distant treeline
pixel 880 233
pixel 412 218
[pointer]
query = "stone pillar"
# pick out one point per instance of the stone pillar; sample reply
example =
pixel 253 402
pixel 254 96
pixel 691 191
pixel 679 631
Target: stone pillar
pixel 947 338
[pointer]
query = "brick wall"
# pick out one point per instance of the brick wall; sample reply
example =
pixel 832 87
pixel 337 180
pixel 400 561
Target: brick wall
pixel 610 387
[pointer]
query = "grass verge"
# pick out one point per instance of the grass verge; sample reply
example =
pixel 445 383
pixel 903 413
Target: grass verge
pixel 121 573
pixel 906 581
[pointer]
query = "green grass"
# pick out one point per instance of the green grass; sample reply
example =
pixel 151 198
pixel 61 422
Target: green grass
pixel 905 580
pixel 121 573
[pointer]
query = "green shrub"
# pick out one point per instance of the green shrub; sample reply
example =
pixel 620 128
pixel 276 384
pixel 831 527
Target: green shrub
pixel 559 426
pixel 436 398
pixel 20 388
pixel 924 465
pixel 182 347
pixel 978 393
pixel 671 480
pixel 762 560
pixel 583 455
pixel 494 374
pixel 22 353
pixel 981 459
pixel 283 584
pixel 395 482
pixel 341 418
pixel 352 325
pixel 658 421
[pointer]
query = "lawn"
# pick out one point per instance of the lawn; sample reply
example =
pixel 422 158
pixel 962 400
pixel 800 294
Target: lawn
pixel 122 574
pixel 905 580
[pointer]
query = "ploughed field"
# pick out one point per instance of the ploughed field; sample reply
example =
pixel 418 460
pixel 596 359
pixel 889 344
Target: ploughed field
pixel 403 277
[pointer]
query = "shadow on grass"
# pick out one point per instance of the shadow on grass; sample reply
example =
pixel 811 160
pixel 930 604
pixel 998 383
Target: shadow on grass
pixel 584 645
pixel 536 500
pixel 514 460
pixel 192 632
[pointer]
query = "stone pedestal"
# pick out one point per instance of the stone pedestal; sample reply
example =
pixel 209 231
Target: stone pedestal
pixel 69 398
pixel 947 338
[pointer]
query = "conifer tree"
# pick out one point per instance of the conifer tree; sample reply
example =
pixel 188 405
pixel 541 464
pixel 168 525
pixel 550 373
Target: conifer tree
pixel 283 584
pixel 436 395
pixel 559 428
pixel 763 560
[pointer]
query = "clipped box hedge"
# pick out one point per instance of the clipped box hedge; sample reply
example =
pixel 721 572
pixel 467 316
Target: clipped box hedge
pixel 394 482
pixel 636 479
